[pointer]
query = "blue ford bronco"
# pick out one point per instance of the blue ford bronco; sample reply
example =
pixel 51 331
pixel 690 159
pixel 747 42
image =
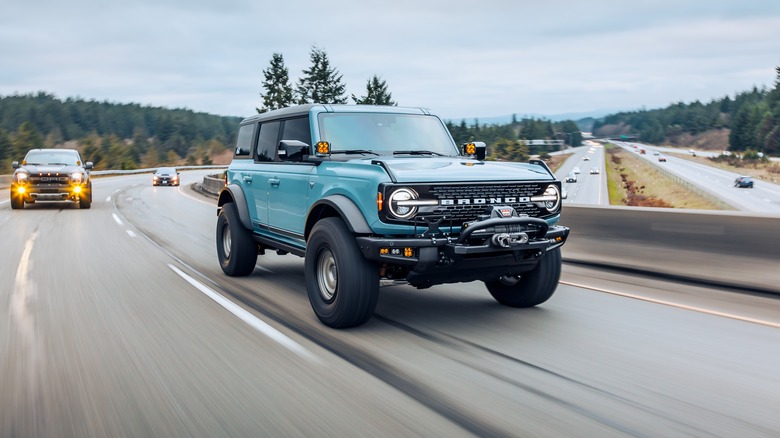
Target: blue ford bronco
pixel 369 193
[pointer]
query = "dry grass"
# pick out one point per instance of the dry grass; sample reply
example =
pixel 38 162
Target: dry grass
pixel 635 182
pixel 556 161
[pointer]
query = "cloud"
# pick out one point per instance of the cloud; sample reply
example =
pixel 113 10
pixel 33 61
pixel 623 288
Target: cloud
pixel 458 58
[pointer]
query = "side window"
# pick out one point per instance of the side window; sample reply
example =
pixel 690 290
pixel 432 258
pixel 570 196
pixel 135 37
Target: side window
pixel 297 129
pixel 266 141
pixel 244 138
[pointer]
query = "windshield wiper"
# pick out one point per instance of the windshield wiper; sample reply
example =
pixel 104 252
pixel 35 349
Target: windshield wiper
pixel 417 152
pixel 354 152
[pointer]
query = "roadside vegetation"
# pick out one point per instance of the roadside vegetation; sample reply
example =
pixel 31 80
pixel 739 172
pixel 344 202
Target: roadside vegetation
pixel 632 181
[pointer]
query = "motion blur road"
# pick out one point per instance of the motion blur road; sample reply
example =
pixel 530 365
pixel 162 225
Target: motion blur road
pixel 117 321
pixel 590 188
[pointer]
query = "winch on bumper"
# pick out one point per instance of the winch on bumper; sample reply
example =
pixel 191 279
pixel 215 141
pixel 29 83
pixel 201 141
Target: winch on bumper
pixel 497 245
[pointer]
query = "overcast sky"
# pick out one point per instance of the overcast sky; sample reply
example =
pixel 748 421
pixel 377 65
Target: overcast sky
pixel 460 59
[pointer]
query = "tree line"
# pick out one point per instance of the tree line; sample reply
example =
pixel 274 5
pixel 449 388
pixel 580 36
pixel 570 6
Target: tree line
pixel 322 83
pixel 112 135
pixel 753 118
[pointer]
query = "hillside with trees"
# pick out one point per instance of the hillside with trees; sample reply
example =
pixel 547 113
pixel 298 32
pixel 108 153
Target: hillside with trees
pixel 748 122
pixel 111 135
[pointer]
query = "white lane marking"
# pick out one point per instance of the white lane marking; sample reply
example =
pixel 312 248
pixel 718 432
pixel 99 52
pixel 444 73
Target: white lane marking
pixel 24 290
pixel 130 233
pixel 247 317
pixel 4 201
pixel 116 219
pixel 108 199
pixel 677 305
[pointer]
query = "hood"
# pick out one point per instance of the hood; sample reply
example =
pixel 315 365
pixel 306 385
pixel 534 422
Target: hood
pixel 455 169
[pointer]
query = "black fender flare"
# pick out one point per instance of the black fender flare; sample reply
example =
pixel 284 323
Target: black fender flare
pixel 234 193
pixel 348 211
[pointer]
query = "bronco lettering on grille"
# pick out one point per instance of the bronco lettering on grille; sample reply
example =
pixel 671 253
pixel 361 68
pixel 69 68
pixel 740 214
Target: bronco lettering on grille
pixel 485 201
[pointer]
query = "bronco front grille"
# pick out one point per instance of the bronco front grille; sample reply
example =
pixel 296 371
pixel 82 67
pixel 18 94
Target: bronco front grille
pixel 460 203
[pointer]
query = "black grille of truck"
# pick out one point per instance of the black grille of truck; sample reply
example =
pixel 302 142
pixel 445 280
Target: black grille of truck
pixel 469 212
pixel 458 203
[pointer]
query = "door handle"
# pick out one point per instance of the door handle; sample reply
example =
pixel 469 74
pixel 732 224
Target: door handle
pixel 248 179
pixel 274 181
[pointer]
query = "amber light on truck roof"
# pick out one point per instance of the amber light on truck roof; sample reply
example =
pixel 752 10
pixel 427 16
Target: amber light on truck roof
pixel 323 148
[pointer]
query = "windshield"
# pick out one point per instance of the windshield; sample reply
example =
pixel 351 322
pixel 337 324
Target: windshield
pixel 64 158
pixel 384 134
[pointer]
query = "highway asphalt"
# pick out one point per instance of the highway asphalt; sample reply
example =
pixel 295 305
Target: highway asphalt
pixel 117 321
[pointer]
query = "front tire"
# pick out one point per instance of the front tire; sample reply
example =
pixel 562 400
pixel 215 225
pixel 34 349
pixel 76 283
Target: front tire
pixel 530 288
pixel 236 249
pixel 343 286
pixel 17 201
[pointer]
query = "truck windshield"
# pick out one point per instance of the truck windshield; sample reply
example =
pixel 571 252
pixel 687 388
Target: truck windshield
pixel 64 158
pixel 385 134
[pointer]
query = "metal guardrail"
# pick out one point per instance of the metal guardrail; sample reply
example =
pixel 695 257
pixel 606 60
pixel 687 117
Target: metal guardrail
pixel 5 180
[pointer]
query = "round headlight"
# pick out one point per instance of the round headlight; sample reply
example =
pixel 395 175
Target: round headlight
pixel 399 205
pixel 22 176
pixel 552 192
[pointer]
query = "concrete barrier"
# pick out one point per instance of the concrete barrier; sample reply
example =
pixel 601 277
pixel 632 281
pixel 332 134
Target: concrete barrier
pixel 726 248
pixel 5 181
pixel 213 184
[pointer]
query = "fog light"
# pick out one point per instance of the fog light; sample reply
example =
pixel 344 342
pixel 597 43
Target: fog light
pixel 408 252
pixel 20 190
pixel 77 189
pixel 384 251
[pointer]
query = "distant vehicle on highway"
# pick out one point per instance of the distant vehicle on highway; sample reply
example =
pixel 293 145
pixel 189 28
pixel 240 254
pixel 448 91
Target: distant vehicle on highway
pixel 571 177
pixel 586 158
pixel 662 159
pixel 594 170
pixel 51 175
pixel 165 176
pixel 744 182
pixel 575 170
pixel 642 151
pixel 656 153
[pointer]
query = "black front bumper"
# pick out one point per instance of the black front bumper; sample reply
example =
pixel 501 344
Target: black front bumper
pixel 50 192
pixel 437 260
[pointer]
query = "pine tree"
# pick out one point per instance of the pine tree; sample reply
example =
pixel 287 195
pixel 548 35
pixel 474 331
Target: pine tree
pixel 321 83
pixel 278 91
pixel 377 93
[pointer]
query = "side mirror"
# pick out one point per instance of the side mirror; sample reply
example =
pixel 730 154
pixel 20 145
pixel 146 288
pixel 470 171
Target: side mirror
pixel 88 165
pixel 241 151
pixel 292 150
pixel 15 164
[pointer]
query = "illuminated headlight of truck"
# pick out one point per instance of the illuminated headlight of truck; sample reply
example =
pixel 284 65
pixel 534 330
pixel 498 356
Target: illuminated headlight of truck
pixel 77 177
pixel 404 203
pixel 550 200
pixel 401 203
pixel 22 177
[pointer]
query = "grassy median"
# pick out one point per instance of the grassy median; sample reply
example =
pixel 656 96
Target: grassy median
pixel 633 181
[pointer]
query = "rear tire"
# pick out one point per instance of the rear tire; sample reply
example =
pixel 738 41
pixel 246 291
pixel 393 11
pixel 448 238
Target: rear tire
pixel 236 249
pixel 343 286
pixel 530 288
